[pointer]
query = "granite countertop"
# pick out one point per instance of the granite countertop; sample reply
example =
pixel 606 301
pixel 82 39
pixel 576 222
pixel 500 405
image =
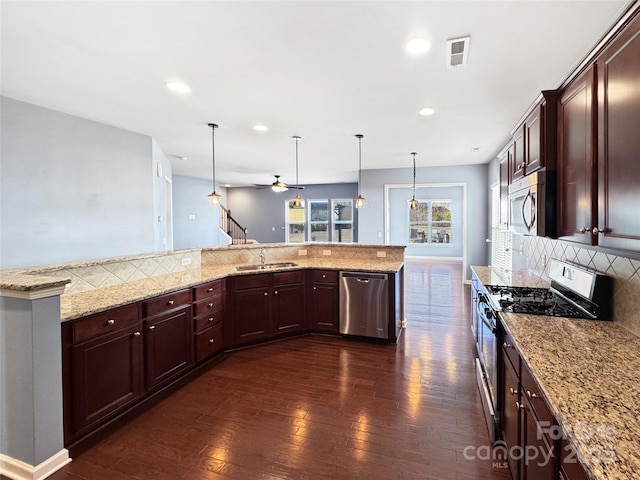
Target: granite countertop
pixel 78 305
pixel 588 371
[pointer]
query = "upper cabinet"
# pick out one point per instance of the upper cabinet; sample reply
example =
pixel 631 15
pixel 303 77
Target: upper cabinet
pixel 598 147
pixel 618 68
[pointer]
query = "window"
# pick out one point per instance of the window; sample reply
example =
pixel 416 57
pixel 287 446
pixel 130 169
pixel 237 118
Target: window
pixel 319 220
pixel 296 222
pixel 431 222
pixel 342 220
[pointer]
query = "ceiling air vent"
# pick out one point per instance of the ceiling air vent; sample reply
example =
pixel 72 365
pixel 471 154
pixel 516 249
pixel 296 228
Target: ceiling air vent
pixel 457 51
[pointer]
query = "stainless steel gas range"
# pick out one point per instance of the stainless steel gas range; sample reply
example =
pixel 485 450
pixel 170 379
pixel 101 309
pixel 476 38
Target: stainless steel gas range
pixel 574 292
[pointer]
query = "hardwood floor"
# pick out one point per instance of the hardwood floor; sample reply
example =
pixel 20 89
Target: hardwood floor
pixel 321 407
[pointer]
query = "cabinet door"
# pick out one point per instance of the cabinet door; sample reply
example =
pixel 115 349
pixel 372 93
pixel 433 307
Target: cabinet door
pixel 509 416
pixel 540 460
pixel 324 307
pixel 288 308
pixel 576 199
pixel 251 314
pixel 517 166
pixel 619 140
pixel 106 376
pixel 168 346
pixel 533 145
pixel 505 161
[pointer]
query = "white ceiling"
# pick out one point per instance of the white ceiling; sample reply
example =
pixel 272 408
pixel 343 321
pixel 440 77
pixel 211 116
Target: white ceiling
pixel 324 70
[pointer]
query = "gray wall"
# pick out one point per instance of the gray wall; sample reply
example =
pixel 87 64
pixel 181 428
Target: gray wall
pixel 161 175
pixel 72 189
pixel 263 211
pixel 371 218
pixel 190 197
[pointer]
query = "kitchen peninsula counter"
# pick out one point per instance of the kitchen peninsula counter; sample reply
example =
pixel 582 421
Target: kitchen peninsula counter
pixel 588 371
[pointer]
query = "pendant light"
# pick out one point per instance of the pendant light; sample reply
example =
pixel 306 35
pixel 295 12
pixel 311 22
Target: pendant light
pixel 414 203
pixel 214 198
pixel 296 202
pixel 360 199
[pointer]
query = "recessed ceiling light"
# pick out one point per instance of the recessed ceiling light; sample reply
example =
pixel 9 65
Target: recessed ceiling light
pixel 178 87
pixel 418 45
pixel 261 128
pixel 427 111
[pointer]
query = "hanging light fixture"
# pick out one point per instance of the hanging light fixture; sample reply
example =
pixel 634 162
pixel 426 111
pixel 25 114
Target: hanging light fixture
pixel 214 198
pixel 296 202
pixel 414 203
pixel 360 199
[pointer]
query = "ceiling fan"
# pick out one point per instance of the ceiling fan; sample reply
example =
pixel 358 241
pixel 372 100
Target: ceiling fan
pixel 279 186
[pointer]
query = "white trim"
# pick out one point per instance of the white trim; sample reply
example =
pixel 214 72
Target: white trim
pixel 33 294
pixel 18 470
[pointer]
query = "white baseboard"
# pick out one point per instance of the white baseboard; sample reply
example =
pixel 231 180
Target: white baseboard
pixel 18 470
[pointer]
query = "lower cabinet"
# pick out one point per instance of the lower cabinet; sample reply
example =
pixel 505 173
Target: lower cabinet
pixel 510 398
pixel 209 313
pixel 288 303
pixel 324 301
pixel 102 368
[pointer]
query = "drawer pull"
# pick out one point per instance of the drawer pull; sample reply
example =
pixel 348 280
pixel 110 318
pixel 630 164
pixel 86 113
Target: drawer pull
pixel 265 294
pixel 520 406
pixel 152 327
pixel 276 292
pixel 210 305
pixel 315 288
pixel 136 334
pixel 170 302
pixel 324 276
pixel 210 319
pixel 532 395
pixel 111 321
pixel 512 391
pixel 507 345
pixel 211 341
pixel 209 290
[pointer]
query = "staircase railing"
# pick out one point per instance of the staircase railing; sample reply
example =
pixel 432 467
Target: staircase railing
pixel 237 232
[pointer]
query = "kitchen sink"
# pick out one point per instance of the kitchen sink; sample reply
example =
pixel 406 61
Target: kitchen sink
pixel 266 266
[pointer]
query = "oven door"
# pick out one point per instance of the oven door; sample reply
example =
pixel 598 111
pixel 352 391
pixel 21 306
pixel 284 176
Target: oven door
pixel 486 365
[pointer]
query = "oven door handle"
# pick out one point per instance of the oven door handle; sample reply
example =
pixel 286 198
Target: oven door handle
pixel 488 324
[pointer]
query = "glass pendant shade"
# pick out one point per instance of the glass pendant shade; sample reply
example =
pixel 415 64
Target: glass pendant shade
pixel 360 198
pixel 413 204
pixel 214 199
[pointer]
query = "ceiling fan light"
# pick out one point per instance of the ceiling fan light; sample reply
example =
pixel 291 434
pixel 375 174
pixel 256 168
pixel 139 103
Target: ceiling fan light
pixel 279 188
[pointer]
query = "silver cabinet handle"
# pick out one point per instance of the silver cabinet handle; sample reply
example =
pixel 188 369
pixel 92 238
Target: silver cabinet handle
pixel 276 292
pixel 520 406
pixel 210 305
pixel 210 319
pixel 507 345
pixel 597 230
pixel 512 391
pixel 266 293
pixel 136 334
pixel 211 341
pixel 170 302
pixel 111 321
pixel 315 288
pixel 152 327
pixel 324 276
pixel 532 395
pixel 209 290
pixel 584 230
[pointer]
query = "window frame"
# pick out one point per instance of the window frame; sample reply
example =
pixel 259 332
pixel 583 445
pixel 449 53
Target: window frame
pixel 288 222
pixel 311 223
pixel 334 201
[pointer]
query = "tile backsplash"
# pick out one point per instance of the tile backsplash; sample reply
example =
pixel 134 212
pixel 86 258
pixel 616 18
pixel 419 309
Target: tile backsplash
pixel 536 252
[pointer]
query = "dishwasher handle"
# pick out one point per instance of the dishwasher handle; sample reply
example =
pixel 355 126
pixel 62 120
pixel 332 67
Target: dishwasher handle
pixel 363 280
pixel 363 277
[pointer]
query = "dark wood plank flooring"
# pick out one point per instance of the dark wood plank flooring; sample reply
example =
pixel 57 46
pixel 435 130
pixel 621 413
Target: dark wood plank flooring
pixel 319 407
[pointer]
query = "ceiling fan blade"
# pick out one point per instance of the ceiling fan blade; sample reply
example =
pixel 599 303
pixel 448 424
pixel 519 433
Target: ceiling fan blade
pixel 296 187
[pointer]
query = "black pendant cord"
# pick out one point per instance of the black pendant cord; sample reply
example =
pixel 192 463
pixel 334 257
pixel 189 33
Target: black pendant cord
pixel 414 175
pixel 213 152
pixel 359 137
pixel 296 137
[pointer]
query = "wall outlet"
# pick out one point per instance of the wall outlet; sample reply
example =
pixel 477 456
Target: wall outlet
pixel 192 216
pixel 326 253
pixel 381 254
pixel 379 234
pixel 302 252
pixel 186 261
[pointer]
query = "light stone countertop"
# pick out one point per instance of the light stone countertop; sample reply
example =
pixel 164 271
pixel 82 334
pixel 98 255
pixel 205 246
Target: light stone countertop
pixel 76 305
pixel 588 371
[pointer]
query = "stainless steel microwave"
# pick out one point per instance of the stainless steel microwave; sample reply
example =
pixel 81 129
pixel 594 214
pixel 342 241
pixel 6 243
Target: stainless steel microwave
pixel 532 204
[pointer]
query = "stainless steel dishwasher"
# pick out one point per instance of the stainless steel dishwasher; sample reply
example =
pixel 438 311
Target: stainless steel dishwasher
pixel 364 300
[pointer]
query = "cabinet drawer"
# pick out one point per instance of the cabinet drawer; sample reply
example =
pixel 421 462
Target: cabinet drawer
pixel 167 302
pixel 329 276
pixel 208 342
pixel 281 278
pixel 208 290
pixel 510 352
pixel 209 305
pixel 209 319
pixel 105 322
pixel 531 390
pixel 251 281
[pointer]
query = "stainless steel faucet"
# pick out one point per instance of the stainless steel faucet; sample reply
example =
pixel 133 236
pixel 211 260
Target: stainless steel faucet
pixel 263 257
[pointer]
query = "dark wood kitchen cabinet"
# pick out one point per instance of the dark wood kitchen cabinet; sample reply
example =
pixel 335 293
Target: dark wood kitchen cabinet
pixel 102 368
pixel 505 159
pixel 510 399
pixel 517 165
pixel 618 73
pixel 208 313
pixel 324 301
pixel 577 198
pixel 251 307
pixel 288 303
pixel 168 337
